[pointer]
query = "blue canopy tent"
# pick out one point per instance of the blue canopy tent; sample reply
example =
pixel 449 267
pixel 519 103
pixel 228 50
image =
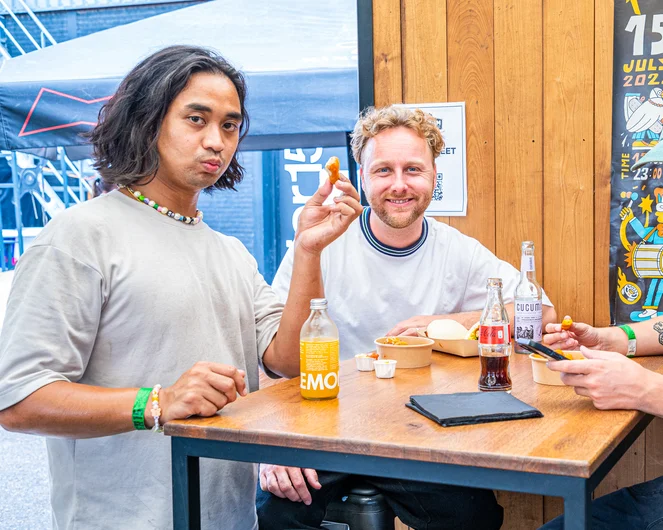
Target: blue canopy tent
pixel 300 62
pixel 301 66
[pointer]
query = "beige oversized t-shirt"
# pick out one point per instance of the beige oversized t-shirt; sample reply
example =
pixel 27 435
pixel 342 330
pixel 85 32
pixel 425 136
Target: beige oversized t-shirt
pixel 115 294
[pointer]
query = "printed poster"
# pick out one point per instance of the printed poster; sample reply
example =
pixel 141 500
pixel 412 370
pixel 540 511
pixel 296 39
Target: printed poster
pixel 636 210
pixel 450 193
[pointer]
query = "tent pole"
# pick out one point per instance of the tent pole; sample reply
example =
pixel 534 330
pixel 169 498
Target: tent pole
pixel 365 54
pixel 3 253
pixel 65 178
pixel 17 204
pixel 81 195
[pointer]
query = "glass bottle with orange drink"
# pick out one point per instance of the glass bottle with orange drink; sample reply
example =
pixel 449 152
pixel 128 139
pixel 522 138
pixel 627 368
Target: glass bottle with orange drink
pixel 318 354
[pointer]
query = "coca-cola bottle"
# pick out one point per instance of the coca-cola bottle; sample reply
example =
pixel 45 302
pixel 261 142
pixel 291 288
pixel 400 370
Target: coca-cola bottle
pixel 527 302
pixel 494 341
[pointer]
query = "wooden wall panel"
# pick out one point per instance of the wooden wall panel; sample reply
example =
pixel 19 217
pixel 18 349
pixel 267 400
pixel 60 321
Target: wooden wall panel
pixel 424 27
pixel 628 471
pixel 521 511
pixel 471 79
pixel 387 52
pixel 654 449
pixel 519 128
pixel 536 78
pixel 519 168
pixel 568 154
pixel 603 38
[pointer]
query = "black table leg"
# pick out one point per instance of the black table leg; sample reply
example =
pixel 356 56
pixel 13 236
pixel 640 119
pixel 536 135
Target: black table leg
pixel 186 487
pixel 578 506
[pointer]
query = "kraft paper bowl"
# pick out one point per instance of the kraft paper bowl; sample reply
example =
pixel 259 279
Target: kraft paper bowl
pixel 544 375
pixel 417 352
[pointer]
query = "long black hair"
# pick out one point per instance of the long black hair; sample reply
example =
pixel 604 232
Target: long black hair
pixel 125 138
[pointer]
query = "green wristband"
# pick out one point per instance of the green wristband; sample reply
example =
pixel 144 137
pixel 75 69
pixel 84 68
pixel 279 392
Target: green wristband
pixel 138 414
pixel 631 339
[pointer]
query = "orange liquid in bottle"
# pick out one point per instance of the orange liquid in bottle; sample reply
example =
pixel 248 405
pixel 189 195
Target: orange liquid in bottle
pixel 318 361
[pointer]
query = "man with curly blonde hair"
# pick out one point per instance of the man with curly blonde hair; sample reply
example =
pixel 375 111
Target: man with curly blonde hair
pixel 393 271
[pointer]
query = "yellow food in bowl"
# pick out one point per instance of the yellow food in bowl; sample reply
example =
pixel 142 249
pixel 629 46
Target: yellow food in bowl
pixel 395 341
pixel 410 352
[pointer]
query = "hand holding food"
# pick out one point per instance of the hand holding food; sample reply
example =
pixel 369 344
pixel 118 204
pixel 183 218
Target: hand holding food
pixel 575 335
pixel 609 379
pixel 333 167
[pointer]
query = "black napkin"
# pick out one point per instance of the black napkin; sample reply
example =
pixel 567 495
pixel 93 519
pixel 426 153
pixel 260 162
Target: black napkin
pixel 467 408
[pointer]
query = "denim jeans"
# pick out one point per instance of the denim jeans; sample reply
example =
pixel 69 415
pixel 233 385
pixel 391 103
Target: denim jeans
pixel 639 507
pixel 420 505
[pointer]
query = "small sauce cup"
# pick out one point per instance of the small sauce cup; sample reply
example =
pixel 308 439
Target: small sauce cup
pixel 385 368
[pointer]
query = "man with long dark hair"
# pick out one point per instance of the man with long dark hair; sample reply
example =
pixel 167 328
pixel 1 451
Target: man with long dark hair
pixel 128 311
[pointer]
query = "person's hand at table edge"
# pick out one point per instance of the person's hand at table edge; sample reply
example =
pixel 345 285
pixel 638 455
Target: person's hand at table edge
pixel 288 482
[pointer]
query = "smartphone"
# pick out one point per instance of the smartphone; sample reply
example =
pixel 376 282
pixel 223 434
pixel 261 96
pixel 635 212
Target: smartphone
pixel 544 351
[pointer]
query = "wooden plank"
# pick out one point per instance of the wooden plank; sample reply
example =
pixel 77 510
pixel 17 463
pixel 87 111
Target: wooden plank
pixel 628 471
pixel 387 52
pixel 603 39
pixel 519 169
pixel 654 449
pixel 573 438
pixel 424 44
pixel 568 155
pixel 470 79
pixel 552 507
pixel 521 511
pixel 519 128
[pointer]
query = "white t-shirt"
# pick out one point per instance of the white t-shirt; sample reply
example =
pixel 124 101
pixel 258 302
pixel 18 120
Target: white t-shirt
pixel 371 287
pixel 115 294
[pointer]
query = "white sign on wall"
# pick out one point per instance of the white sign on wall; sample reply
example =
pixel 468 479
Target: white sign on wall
pixel 450 193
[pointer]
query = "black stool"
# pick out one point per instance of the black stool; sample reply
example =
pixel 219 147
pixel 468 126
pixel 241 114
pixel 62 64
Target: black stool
pixel 363 508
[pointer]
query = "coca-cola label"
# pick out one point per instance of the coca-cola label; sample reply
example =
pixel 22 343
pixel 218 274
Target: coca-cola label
pixel 495 334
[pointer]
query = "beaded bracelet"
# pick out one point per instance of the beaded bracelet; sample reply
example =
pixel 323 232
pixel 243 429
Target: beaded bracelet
pixel 138 413
pixel 156 409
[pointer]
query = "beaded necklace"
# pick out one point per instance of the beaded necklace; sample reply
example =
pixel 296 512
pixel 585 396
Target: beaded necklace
pixel 165 211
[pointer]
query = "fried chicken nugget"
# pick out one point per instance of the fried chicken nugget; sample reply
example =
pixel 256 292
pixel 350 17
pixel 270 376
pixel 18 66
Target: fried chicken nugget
pixel 567 323
pixel 333 166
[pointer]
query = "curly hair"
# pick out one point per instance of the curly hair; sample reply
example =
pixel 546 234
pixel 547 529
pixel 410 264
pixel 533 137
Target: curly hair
pixel 373 121
pixel 125 138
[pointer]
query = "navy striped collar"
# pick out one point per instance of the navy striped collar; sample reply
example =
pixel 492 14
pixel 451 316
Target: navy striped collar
pixel 386 249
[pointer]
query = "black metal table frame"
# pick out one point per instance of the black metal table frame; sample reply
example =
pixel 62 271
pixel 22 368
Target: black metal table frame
pixel 576 491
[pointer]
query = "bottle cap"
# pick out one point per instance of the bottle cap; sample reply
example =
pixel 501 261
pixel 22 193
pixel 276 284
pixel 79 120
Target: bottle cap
pixel 318 303
pixel 494 282
pixel 527 245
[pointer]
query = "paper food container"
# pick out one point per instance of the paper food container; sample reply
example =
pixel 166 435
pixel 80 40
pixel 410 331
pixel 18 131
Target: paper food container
pixel 545 376
pixel 460 347
pixel 415 353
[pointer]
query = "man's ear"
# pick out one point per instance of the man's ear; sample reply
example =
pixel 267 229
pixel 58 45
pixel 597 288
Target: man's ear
pixel 361 179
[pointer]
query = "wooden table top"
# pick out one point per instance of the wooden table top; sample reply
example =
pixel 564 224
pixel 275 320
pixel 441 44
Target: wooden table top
pixel 370 417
